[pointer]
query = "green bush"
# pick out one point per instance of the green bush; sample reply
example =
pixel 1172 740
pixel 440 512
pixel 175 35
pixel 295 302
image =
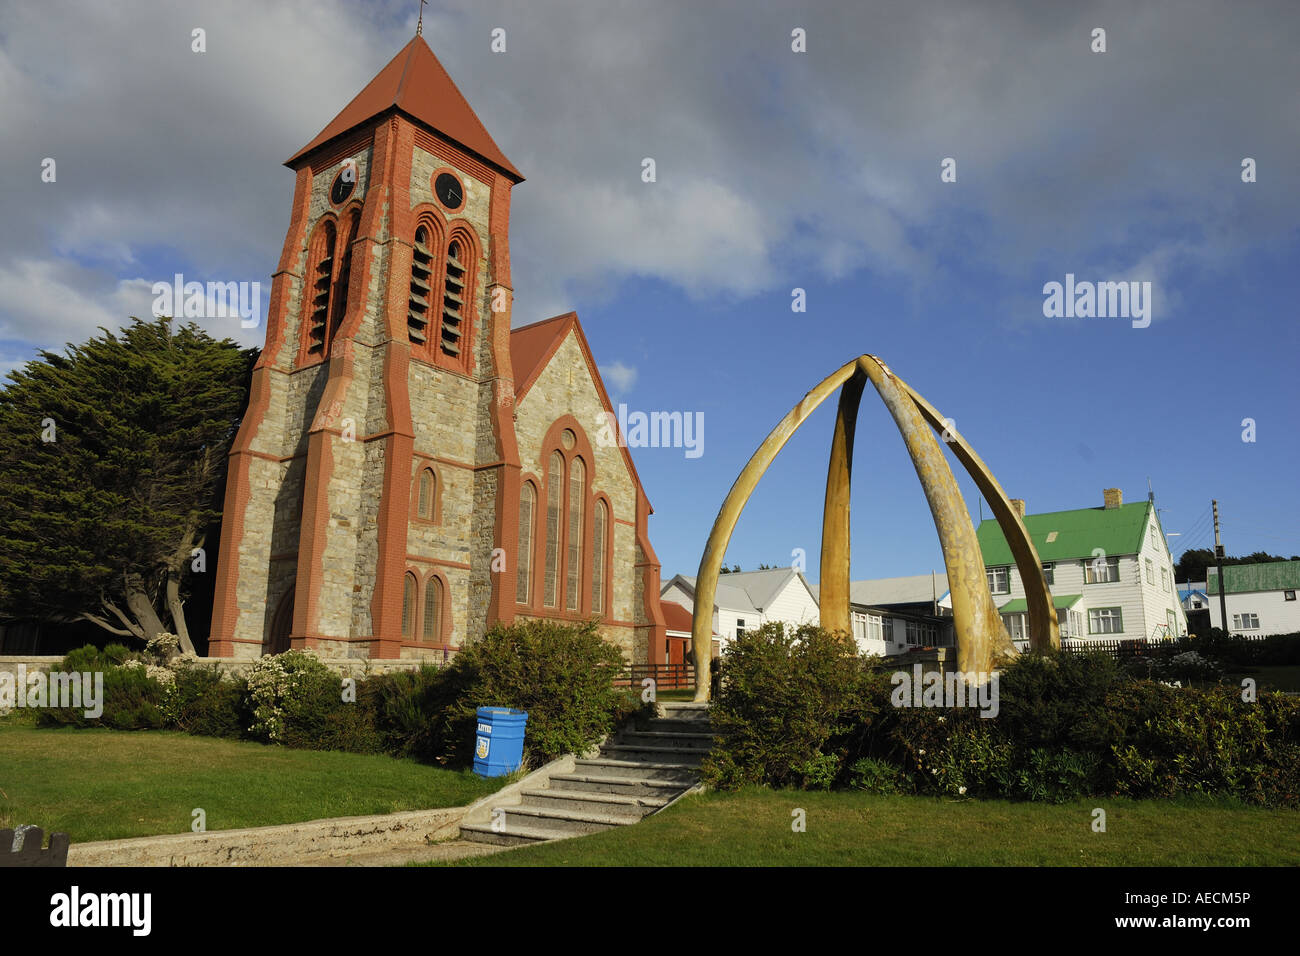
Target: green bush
pixel 132 692
pixel 562 675
pixel 796 711
pixel 877 776
pixel 406 705
pixel 202 702
pixel 794 708
pixel 289 696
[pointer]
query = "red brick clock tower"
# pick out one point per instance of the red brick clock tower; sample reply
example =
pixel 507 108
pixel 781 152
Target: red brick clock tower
pixel 376 491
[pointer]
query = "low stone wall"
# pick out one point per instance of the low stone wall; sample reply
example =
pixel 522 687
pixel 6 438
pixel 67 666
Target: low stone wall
pixel 313 842
pixel 348 667
pixel 289 844
pixel 34 663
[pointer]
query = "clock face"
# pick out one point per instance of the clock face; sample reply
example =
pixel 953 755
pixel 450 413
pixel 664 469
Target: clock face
pixel 449 190
pixel 344 183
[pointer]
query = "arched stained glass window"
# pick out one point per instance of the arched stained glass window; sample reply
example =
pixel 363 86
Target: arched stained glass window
pixel 554 509
pixel 577 498
pixel 433 603
pixel 524 564
pixel 599 529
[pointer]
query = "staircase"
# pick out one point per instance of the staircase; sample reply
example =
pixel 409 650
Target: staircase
pixel 639 772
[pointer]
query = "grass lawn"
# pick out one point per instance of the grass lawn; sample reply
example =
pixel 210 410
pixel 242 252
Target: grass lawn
pixel 97 784
pixel 753 828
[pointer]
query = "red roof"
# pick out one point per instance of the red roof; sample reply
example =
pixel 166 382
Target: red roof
pixel 416 83
pixel 532 346
pixel 676 617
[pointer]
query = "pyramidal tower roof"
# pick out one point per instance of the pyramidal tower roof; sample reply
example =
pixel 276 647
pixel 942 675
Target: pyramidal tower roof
pixel 415 83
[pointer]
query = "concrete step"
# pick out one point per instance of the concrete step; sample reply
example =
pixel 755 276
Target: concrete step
pixel 672 724
pixel 683 774
pixel 633 808
pixel 564 821
pixel 683 710
pixel 518 834
pixel 659 738
pixel 629 786
pixel 639 753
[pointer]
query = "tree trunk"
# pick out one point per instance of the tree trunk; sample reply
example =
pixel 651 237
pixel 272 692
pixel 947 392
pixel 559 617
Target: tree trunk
pixel 177 610
pixel 141 607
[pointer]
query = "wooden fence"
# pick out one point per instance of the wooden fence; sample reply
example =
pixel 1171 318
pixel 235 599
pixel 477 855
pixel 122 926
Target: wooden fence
pixel 666 676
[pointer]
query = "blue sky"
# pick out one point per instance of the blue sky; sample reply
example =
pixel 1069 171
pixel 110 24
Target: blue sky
pixel 775 170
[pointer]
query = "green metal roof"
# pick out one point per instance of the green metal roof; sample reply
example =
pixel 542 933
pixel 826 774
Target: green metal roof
pixel 1059 601
pixel 1062 535
pixel 1271 576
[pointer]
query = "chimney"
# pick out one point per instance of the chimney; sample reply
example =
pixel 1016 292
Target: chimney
pixel 1018 506
pixel 1114 497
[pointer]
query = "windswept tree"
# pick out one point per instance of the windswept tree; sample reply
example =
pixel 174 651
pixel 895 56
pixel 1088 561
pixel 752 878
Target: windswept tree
pixel 112 458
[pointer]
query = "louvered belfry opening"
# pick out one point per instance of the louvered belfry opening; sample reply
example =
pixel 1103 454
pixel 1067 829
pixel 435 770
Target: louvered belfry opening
pixel 453 301
pixel 318 324
pixel 417 318
pixel 340 304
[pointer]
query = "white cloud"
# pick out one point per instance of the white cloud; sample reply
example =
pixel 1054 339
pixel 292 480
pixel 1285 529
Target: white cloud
pixel 619 376
pixel 773 168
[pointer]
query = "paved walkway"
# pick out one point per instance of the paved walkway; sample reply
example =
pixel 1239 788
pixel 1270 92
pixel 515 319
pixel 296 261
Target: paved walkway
pixel 439 852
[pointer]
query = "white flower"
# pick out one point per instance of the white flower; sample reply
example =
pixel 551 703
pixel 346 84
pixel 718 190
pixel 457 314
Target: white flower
pixel 962 791
pixel 921 752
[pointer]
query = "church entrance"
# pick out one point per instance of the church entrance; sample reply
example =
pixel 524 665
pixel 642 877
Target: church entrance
pixel 277 639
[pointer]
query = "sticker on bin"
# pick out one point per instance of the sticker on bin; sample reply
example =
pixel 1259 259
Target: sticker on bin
pixel 485 729
pixel 481 751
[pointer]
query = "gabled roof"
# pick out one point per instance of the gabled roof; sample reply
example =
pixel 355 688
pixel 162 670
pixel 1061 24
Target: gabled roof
pixel 1269 576
pixel 749 590
pixel 913 589
pixel 415 83
pixel 1062 535
pixel 533 346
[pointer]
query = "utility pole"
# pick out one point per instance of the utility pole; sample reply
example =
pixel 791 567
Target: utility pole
pixel 1218 556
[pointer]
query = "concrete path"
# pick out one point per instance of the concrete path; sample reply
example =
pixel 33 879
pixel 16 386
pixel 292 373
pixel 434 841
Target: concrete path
pixel 439 852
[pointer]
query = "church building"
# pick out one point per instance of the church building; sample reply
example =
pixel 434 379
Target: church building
pixel 410 470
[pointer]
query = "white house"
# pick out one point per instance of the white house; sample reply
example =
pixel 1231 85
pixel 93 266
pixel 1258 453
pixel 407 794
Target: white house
pixel 1109 570
pixel 747 599
pixel 893 615
pixel 1194 598
pixel 1261 598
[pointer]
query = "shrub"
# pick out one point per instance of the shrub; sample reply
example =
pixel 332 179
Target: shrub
pixel 406 705
pixel 794 708
pixel 200 701
pixel 877 776
pixel 132 692
pixel 562 675
pixel 289 696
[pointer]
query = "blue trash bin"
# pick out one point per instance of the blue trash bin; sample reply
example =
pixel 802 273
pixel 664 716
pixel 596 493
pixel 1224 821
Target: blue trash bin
pixel 499 741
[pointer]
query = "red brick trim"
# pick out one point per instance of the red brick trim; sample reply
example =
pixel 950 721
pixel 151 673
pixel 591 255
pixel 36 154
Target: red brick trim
pixel 225 608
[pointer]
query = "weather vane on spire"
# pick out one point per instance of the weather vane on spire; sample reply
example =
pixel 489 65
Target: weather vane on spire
pixel 419 24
